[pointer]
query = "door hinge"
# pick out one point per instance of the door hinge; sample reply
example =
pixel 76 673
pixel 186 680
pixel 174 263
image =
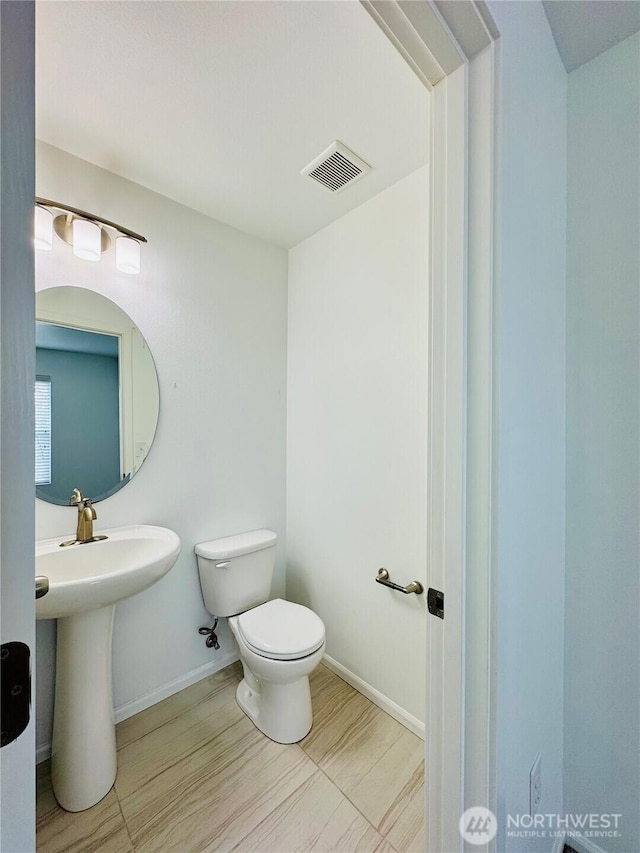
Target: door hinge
pixel 15 692
pixel 435 602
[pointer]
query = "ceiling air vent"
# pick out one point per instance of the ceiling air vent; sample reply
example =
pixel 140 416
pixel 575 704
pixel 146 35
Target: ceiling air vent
pixel 336 168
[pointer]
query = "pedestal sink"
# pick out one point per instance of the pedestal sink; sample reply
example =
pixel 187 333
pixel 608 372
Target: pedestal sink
pixel 85 583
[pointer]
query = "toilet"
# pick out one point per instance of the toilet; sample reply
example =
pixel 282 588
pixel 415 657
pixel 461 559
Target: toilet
pixel 280 642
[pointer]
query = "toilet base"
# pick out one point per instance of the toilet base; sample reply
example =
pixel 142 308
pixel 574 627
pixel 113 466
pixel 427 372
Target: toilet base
pixel 281 711
pixel 275 694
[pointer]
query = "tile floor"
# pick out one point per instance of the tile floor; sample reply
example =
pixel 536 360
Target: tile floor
pixel 194 774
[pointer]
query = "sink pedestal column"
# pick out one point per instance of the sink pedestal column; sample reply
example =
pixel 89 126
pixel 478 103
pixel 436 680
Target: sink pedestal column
pixel 83 759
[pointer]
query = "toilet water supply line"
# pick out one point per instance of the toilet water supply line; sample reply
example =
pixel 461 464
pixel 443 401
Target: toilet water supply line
pixel 210 633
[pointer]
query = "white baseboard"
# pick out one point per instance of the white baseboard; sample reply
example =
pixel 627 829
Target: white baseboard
pixel 408 720
pixel 175 686
pixel 163 692
pixel 130 708
pixel 581 845
pixel 43 753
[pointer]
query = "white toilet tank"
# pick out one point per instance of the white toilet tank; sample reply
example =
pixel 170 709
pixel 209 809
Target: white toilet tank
pixel 236 571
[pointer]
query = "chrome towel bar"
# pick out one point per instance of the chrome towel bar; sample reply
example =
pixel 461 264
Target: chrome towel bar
pixel 383 578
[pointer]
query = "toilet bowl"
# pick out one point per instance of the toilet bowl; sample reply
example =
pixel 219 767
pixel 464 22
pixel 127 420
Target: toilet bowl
pixel 274 692
pixel 280 642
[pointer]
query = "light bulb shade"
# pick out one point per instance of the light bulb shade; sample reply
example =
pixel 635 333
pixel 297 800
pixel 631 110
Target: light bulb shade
pixel 43 229
pixel 127 255
pixel 86 240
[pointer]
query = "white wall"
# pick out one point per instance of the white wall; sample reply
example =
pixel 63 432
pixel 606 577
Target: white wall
pixel 17 368
pixel 602 663
pixel 212 305
pixel 356 436
pixel 530 447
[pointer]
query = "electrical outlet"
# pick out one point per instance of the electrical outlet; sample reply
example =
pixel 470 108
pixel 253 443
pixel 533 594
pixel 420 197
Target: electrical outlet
pixel 535 786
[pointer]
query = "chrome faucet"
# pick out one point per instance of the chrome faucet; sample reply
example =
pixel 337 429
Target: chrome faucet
pixel 86 516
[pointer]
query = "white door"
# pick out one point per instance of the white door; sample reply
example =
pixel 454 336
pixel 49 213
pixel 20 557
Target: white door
pixel 455 57
pixel 17 370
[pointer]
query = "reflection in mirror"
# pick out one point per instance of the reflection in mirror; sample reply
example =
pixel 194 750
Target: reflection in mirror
pixel 96 394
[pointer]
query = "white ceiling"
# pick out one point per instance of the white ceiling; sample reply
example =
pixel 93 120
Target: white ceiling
pixel 583 29
pixel 218 105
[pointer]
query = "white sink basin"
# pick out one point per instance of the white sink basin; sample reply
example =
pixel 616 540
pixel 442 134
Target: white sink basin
pixel 85 584
pixel 84 577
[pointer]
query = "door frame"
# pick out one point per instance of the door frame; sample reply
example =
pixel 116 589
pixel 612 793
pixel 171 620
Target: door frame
pixel 452 45
pixel 17 371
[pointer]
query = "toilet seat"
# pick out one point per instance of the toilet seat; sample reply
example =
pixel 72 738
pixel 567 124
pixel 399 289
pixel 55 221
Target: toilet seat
pixel 281 630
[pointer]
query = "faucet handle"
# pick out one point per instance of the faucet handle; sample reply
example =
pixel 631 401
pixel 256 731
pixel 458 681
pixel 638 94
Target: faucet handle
pixel 76 498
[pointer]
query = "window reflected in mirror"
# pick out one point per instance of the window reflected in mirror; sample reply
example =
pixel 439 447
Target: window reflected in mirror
pixel 42 396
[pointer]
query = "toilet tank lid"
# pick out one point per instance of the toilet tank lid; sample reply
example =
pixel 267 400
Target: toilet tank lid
pixel 235 546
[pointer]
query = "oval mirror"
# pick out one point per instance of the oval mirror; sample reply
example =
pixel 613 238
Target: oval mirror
pixel 96 392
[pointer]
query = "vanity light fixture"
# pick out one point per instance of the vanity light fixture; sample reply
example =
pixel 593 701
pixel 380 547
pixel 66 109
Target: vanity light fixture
pixel 127 255
pixel 86 233
pixel 86 239
pixel 43 225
